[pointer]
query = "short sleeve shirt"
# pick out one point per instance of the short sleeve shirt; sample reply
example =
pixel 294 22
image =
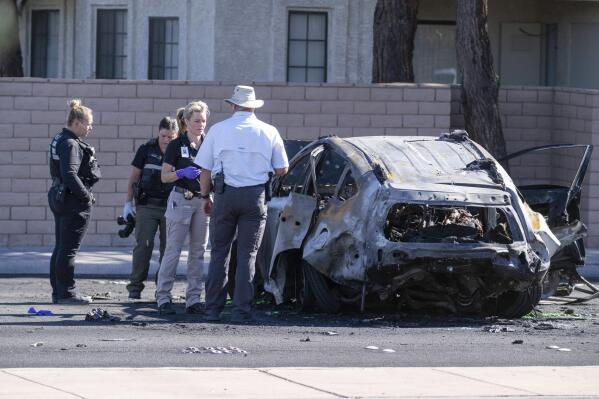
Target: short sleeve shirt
pixel 180 154
pixel 139 160
pixel 244 148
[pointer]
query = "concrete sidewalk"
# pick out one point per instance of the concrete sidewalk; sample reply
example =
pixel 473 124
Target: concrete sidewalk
pixel 409 382
pixel 116 262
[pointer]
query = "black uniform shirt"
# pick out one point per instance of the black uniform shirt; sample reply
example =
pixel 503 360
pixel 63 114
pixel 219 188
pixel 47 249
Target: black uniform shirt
pixel 149 158
pixel 73 162
pixel 180 154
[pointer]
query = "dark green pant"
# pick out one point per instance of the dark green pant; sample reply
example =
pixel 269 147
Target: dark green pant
pixel 148 219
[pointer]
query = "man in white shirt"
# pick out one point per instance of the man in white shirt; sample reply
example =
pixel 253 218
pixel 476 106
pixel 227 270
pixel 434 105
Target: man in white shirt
pixel 238 154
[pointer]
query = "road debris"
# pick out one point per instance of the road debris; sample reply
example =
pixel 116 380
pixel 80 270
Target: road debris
pixel 101 296
pixel 99 314
pixel 41 312
pixel 389 350
pixel 231 350
pixel 557 348
pixel 139 323
pixel 372 348
pixel 496 329
pixel 307 339
pixel 330 333
pixel 553 326
pixel 117 339
pixel 36 344
pixel 517 341
pixel 81 346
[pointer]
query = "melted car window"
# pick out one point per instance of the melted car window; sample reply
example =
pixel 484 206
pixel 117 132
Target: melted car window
pixel 348 187
pixel 294 179
pixel 328 173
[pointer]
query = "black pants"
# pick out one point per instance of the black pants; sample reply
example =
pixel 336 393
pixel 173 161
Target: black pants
pixel 70 227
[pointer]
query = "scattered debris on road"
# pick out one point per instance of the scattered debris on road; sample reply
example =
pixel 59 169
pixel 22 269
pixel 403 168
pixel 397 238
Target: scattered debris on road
pixel 330 333
pixel 99 314
pixel 496 329
pixel 372 348
pixel 307 339
pixel 36 344
pixel 216 350
pixel 101 296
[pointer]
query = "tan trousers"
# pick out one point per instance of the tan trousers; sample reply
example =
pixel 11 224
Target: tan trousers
pixel 183 217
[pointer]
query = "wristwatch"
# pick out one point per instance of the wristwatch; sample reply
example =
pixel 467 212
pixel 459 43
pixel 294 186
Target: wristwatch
pixel 204 196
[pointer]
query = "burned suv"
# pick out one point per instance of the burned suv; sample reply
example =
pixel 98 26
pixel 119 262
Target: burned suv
pixel 420 222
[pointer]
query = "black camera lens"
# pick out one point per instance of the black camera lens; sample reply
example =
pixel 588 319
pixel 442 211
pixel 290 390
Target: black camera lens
pixel 129 224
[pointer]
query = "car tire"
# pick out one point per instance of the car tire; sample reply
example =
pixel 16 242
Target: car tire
pixel 325 295
pixel 304 297
pixel 515 304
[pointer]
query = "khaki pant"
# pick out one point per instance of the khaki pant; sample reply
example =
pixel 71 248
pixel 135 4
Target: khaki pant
pixel 183 217
pixel 148 220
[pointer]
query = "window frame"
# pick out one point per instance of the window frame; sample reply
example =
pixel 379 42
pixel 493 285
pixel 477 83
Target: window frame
pixel 308 40
pixel 163 43
pixel 46 37
pixel 115 34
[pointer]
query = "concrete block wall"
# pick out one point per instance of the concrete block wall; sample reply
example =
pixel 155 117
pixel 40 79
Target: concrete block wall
pixel 126 114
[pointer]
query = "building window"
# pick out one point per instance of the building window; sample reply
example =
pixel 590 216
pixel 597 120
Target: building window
pixel 434 52
pixel 307 47
pixel 44 43
pixel 111 41
pixel 164 49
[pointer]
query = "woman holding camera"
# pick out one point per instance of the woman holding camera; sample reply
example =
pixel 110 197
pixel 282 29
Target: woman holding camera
pixel 150 196
pixel 74 170
pixel 184 214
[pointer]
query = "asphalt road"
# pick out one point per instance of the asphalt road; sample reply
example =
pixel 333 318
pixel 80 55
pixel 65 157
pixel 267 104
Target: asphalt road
pixel 279 336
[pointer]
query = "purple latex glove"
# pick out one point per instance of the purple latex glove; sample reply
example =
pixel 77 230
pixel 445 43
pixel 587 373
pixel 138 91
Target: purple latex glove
pixel 189 172
pixel 41 312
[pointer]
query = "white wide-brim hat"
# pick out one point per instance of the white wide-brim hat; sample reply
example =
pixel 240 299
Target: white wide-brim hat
pixel 244 96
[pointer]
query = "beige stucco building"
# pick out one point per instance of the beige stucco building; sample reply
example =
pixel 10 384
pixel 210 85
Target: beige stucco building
pixel 534 42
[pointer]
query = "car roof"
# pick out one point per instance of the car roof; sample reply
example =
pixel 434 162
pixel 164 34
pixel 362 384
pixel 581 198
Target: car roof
pixel 418 159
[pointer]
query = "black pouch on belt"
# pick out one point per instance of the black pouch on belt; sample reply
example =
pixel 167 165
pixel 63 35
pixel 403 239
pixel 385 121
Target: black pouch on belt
pixel 56 197
pixel 219 183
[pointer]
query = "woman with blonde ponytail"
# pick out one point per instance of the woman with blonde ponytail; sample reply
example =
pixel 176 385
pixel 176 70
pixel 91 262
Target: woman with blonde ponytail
pixel 74 170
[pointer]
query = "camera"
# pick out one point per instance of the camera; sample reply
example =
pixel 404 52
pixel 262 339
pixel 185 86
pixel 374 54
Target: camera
pixel 129 224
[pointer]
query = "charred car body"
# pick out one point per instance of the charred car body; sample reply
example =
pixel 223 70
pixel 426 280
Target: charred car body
pixel 423 222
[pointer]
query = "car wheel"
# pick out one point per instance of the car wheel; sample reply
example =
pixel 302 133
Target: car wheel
pixel 304 297
pixel 515 304
pixel 325 294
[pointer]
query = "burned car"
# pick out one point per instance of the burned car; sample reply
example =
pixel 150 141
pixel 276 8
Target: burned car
pixel 419 222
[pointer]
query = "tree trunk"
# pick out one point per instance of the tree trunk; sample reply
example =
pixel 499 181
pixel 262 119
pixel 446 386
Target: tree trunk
pixel 394 30
pixel 480 85
pixel 11 62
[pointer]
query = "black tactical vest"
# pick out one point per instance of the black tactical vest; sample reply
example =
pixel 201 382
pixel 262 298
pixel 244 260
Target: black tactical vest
pixel 150 183
pixel 89 172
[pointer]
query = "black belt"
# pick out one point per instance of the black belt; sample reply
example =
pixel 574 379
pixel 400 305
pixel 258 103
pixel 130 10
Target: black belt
pixel 254 186
pixel 184 191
